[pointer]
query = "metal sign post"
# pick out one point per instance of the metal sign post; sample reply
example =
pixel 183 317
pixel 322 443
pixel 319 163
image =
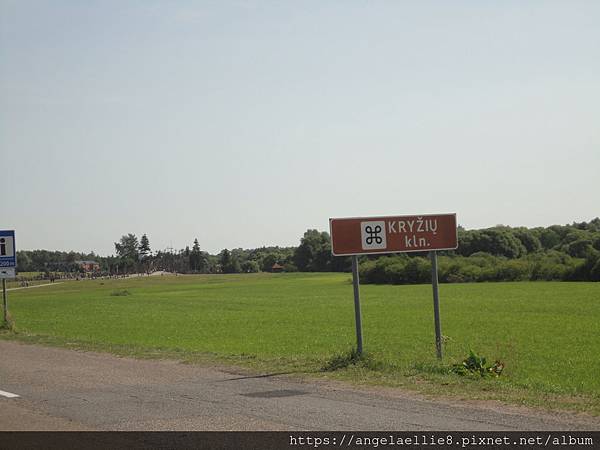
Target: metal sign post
pixel 4 302
pixel 436 304
pixel 357 314
pixel 352 236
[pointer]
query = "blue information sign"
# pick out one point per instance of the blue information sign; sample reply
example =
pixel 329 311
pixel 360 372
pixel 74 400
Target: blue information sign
pixel 8 252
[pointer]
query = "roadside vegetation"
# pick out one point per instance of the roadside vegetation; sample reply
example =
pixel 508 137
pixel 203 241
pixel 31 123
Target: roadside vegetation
pixel 545 335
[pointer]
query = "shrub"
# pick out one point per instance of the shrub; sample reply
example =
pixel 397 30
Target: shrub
pixel 418 270
pixel 514 270
pixel 542 265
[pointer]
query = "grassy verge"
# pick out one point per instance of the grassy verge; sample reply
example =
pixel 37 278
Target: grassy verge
pixel 546 334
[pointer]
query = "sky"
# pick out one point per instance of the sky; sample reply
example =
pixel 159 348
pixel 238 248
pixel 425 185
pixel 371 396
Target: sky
pixel 245 123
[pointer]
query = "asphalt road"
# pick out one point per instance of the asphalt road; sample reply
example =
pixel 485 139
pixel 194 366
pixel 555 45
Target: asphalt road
pixel 67 390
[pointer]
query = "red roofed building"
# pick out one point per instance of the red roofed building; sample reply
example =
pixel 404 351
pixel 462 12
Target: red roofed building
pixel 277 268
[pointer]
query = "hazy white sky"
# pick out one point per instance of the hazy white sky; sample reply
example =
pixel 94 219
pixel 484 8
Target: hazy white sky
pixel 245 123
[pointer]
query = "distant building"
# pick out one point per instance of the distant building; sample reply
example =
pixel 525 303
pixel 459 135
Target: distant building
pixel 277 268
pixel 88 266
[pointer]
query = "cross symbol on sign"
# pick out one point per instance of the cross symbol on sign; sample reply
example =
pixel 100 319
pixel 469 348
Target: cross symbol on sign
pixel 373 235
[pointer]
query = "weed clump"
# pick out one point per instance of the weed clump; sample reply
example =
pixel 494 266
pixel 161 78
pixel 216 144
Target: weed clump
pixel 343 360
pixel 8 325
pixel 120 293
pixel 476 365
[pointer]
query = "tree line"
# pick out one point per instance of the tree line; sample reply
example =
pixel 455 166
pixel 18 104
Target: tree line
pixel 500 253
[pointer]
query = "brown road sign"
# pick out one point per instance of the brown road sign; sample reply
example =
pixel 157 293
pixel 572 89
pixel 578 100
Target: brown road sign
pixel 393 234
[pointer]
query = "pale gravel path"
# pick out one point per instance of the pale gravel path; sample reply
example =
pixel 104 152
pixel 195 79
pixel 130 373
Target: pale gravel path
pixel 35 286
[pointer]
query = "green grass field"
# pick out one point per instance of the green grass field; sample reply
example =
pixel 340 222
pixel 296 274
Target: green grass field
pixel 547 334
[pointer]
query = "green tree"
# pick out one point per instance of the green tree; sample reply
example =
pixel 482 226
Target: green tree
pixel 235 266
pixel 229 262
pixel 580 248
pixel 499 241
pixel 314 252
pixel 144 248
pixel 24 263
pixel 250 267
pixel 467 241
pixel 127 250
pixel 529 240
pixel 549 238
pixel 195 256
pixel 127 247
pixel 145 253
